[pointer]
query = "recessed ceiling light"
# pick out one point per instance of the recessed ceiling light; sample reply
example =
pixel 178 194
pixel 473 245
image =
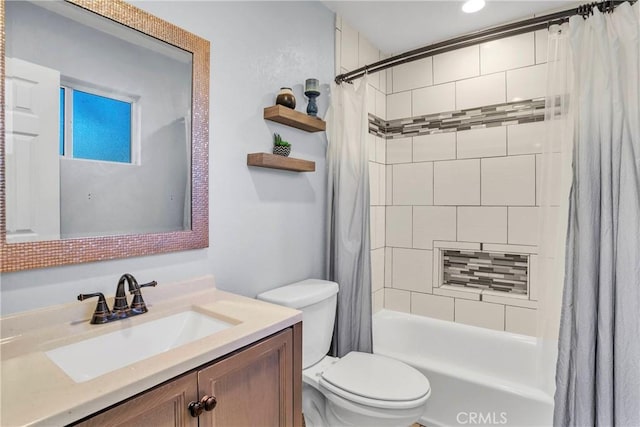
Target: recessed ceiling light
pixel 471 6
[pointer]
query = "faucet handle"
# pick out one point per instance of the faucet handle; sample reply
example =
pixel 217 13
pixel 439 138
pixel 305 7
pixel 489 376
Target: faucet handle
pixel 102 314
pixel 138 303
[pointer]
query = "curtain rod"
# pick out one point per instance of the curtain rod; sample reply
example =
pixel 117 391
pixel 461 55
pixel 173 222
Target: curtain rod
pixel 482 36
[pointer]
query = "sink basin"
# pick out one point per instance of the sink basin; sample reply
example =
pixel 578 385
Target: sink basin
pixel 93 357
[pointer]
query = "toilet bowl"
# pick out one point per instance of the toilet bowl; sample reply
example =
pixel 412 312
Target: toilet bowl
pixel 359 389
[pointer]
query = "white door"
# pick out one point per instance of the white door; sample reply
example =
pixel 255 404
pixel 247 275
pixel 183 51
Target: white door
pixel 32 164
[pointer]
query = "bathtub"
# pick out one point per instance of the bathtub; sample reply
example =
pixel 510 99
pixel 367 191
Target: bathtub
pixel 478 376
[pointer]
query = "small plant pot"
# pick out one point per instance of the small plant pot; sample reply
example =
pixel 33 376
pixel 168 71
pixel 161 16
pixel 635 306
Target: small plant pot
pixel 281 151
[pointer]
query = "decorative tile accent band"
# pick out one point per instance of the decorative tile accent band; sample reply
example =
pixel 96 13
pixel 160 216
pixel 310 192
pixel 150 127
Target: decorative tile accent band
pixel 484 270
pixel 528 111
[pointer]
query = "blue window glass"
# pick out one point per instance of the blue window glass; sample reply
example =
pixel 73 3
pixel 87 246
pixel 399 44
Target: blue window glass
pixel 61 127
pixel 101 128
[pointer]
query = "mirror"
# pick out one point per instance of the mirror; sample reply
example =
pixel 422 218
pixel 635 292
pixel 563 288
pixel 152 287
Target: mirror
pixel 104 150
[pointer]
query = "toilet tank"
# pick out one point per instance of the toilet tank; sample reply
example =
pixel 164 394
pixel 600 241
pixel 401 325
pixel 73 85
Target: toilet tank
pixel 317 300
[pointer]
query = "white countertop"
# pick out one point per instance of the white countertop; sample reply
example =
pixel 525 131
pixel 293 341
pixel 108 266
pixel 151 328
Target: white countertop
pixel 35 391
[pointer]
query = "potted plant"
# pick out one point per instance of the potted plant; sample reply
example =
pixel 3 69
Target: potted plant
pixel 280 146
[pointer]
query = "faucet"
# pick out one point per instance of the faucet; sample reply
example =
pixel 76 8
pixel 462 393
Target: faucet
pixel 137 304
pixel 121 309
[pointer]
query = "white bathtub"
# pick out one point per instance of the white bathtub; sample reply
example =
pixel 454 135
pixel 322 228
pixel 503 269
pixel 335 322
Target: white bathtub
pixel 478 376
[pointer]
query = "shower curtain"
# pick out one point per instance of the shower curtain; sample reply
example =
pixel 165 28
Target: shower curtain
pixel 598 368
pixel 348 240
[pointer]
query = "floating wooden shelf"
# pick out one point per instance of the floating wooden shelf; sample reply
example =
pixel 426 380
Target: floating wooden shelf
pixel 266 160
pixel 293 118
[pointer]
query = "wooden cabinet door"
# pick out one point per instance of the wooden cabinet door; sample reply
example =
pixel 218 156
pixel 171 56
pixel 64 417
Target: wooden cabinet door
pixel 163 406
pixel 253 387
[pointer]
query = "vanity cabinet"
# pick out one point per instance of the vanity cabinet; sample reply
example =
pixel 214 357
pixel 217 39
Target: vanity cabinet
pixel 259 385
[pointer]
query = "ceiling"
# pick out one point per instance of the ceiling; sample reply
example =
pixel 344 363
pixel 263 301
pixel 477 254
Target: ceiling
pixel 398 26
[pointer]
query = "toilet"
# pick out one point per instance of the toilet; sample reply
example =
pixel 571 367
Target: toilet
pixel 359 389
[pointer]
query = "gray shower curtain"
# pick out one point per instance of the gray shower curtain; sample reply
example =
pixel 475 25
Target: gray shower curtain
pixel 348 240
pixel 598 370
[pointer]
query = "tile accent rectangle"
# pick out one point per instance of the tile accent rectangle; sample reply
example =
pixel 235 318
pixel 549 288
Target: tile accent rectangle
pixel 488 271
pixel 502 114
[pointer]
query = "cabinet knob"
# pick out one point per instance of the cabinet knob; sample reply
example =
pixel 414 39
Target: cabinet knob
pixel 206 404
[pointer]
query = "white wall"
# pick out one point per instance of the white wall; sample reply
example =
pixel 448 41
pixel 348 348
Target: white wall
pixel 266 226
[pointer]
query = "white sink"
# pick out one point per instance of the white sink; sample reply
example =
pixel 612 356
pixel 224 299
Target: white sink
pixel 93 357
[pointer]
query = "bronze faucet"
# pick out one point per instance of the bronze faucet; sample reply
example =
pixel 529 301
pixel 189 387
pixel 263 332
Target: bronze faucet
pixel 121 309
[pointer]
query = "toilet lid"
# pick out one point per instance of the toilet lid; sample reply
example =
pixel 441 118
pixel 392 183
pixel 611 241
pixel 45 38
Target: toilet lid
pixel 376 378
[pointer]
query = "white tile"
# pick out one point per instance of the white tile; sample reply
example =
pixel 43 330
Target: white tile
pixel 412 75
pixel 383 75
pixel 380 225
pixel 436 146
pixel 382 189
pixel 338 21
pixel 498 297
pixel 433 223
pixel 381 105
pixel 377 301
pixel 412 270
pixel 509 181
pixel 398 225
pixel 510 249
pixel 349 48
pixel 457 182
pixel 377 269
pixel 462 293
pixel 389 80
pixel 486 142
pixel 527 138
pixel 399 150
pixel 548 187
pixel 477 313
pixel 389 184
pixel 523 226
pixel 542 39
pixel 413 184
pixel 456 65
pixel 381 149
pixel 374 183
pixel 368 54
pixel 465 246
pixel 521 321
pixel 338 47
pixel 372 227
pixel 534 273
pixel 438 307
pixel 371 144
pixel 527 83
pixel 483 224
pixel 397 300
pixel 480 91
pixel 434 99
pixel 377 220
pixel 399 105
pixel 388 258
pixel 371 100
pixel 507 53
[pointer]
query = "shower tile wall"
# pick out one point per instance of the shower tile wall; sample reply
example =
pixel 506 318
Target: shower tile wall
pixel 353 51
pixel 474 187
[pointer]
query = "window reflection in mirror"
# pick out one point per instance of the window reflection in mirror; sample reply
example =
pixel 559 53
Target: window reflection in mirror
pixel 98 127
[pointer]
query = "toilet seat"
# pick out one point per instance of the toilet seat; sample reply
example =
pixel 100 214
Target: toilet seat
pixel 376 381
